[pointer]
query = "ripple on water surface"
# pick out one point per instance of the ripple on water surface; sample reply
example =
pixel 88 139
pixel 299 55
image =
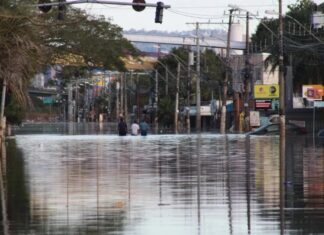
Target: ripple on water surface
pixel 159 184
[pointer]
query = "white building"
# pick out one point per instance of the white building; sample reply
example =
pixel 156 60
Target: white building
pixel 261 74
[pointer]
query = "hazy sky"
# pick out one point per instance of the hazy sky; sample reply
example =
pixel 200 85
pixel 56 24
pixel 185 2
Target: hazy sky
pixel 182 12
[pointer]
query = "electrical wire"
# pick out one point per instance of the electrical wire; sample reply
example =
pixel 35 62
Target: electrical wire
pixel 192 15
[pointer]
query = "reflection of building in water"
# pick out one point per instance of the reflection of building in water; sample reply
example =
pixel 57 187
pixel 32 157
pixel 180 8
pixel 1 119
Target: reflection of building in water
pixel 314 177
pixel 267 170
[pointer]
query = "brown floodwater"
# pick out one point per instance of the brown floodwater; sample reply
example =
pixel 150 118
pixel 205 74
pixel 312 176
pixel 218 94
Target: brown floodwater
pixel 160 184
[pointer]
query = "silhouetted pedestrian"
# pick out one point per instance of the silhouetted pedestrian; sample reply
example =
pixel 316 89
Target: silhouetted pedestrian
pixel 144 127
pixel 122 127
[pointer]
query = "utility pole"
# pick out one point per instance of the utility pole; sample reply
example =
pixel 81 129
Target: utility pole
pixel 137 98
pixel 198 94
pixel 70 103
pixel 117 97
pixel 282 118
pixel 122 93
pixel 225 88
pixel 176 109
pixel 166 81
pixel 125 97
pixel 3 102
pixel 247 77
pixel 282 108
pixel 156 120
pixel 190 62
pixel 3 98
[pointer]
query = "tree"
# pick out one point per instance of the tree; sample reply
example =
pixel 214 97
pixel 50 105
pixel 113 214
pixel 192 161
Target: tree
pixel 20 52
pixel 211 76
pixel 302 50
pixel 29 40
pixel 95 39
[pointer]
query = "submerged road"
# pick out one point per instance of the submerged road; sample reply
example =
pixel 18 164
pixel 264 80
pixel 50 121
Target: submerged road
pixel 161 184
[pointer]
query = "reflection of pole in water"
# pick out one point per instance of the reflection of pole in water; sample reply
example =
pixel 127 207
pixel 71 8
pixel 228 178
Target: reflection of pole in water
pixel 71 128
pixel 282 169
pixel 160 169
pixel 247 182
pixel 160 175
pixel 178 164
pixel 5 222
pixel 99 154
pixel 67 186
pixel 129 181
pixel 228 181
pixel 198 183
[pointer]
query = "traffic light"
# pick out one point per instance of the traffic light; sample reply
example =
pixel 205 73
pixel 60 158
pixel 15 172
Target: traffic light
pixel 61 9
pixel 159 12
pixel 138 8
pixel 246 73
pixel 44 9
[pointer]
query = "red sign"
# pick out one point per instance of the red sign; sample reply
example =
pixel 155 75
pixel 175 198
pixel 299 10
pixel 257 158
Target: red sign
pixel 263 104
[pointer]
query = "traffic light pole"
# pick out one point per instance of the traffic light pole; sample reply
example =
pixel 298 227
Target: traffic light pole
pixel 101 2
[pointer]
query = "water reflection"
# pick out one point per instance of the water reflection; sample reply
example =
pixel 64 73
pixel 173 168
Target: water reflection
pixel 184 184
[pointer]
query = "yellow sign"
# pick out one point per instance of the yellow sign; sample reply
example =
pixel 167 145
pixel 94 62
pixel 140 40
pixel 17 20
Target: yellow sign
pixel 266 91
pixel 313 92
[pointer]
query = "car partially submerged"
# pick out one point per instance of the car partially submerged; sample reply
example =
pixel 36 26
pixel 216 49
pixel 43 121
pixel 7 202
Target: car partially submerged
pixel 274 129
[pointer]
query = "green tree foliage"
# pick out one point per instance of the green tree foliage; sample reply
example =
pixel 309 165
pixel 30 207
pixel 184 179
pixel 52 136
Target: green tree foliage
pixel 302 50
pixel 30 39
pixel 98 41
pixel 15 112
pixel 166 111
pixel 20 52
pixel 211 76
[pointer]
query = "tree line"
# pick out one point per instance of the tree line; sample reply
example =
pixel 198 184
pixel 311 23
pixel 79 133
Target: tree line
pixel 30 40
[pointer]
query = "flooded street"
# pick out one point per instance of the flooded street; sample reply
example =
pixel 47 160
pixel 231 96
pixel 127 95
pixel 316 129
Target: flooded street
pixel 160 184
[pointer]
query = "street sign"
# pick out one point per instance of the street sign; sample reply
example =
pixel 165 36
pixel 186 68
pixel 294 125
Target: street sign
pixel 48 100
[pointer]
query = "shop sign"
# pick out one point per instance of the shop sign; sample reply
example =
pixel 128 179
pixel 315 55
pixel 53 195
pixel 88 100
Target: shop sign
pixel 266 91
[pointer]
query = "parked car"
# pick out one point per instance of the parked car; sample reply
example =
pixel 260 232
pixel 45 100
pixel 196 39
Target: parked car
pixel 320 134
pixel 274 129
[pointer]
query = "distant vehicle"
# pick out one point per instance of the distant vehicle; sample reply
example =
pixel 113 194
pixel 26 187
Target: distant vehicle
pixel 320 134
pixel 274 129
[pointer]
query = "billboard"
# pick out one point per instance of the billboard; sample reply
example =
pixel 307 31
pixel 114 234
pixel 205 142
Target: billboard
pixel 313 92
pixel 266 91
pixel 317 20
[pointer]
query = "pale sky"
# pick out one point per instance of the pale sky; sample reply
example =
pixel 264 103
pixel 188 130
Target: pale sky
pixel 182 12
